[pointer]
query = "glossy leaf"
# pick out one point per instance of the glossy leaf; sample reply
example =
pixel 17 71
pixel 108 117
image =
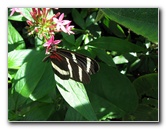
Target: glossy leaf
pixel 46 83
pixel 113 27
pixel 99 15
pixel 75 95
pixel 73 115
pixel 17 57
pixel 115 44
pixel 144 113
pixel 147 84
pixel 15 41
pixel 69 38
pixel 120 59
pixel 26 13
pixel 38 112
pixel 102 55
pixel 105 108
pixel 29 75
pixel 78 19
pixel 142 21
pixel 17 18
pixel 90 19
pixel 115 87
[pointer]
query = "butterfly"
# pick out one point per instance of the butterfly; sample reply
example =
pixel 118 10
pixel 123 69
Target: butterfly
pixel 71 65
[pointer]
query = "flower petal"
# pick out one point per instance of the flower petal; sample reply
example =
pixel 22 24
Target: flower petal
pixel 61 17
pixel 50 42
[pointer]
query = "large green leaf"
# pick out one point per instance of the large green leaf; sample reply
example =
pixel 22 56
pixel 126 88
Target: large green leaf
pixel 73 115
pixel 15 41
pixel 29 75
pixel 69 38
pixel 75 95
pixel 38 112
pixel 45 85
pixel 142 21
pixel 115 44
pixel 17 17
pixel 115 88
pixel 147 84
pixel 105 108
pixel 78 19
pixel 17 57
pixel 102 55
pixel 144 113
pixel 113 27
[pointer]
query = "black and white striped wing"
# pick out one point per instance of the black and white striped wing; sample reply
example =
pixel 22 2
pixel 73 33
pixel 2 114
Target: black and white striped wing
pixel 88 64
pixel 67 64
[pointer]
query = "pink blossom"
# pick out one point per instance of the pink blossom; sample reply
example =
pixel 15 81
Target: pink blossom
pixel 69 28
pixel 13 10
pixel 50 42
pixel 60 23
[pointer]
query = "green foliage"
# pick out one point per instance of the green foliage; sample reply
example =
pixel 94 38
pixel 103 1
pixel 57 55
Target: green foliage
pixel 136 19
pixel 75 95
pixel 15 41
pixel 147 90
pixel 123 42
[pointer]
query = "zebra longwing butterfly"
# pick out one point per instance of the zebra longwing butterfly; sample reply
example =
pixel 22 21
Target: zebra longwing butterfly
pixel 67 64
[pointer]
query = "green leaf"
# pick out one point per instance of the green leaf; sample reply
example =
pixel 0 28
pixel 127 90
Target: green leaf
pixel 142 21
pixel 90 19
pixel 147 84
pixel 120 59
pixel 78 19
pixel 116 88
pixel 79 41
pixel 11 101
pixel 17 57
pixel 150 101
pixel 113 27
pixel 45 85
pixel 99 16
pixel 18 99
pixel 102 55
pixel 75 95
pixel 95 32
pixel 15 41
pixel 38 112
pixel 104 108
pixel 144 113
pixel 17 18
pixel 69 38
pixel 115 44
pixel 73 115
pixel 29 75
pixel 26 13
pixel 84 12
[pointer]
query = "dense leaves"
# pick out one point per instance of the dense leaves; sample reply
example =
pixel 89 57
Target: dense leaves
pixel 125 44
pixel 137 19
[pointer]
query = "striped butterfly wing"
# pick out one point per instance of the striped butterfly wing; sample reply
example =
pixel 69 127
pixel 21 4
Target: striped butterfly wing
pixel 66 68
pixel 67 64
pixel 76 71
pixel 60 65
pixel 87 64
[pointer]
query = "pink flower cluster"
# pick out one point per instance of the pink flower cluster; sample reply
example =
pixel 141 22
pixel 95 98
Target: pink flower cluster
pixel 45 25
